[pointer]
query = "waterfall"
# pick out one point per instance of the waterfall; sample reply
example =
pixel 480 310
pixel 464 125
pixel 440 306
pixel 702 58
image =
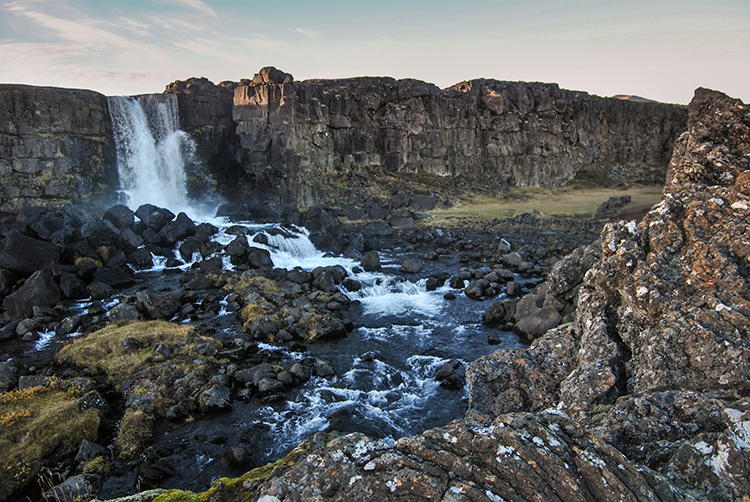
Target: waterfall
pixel 151 151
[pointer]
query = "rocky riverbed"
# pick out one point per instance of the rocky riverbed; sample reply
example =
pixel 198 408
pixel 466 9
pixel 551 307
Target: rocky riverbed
pixel 193 355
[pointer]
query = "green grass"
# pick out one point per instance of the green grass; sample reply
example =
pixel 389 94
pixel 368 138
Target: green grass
pixel 557 202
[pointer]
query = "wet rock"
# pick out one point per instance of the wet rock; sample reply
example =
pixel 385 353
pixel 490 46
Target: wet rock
pixel 411 266
pixel 99 290
pixel 69 325
pixel 125 312
pixel 268 386
pixel 142 259
pixel 323 368
pixel 326 327
pixel 121 216
pixel 153 216
pixel 352 285
pixel 500 312
pixel 189 247
pixel 259 258
pixel 299 372
pixel 371 261
pixel 217 399
pixel 479 289
pixel 101 233
pixel 325 282
pixel 239 458
pixel 158 305
pixel 114 277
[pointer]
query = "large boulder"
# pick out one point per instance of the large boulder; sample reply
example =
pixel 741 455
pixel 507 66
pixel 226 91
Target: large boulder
pixel 153 216
pixel 38 290
pixel 25 255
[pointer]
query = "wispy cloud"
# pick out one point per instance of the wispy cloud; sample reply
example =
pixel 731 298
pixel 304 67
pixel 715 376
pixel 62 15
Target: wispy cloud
pixel 306 33
pixel 197 5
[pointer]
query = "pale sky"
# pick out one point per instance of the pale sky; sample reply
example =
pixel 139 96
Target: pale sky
pixel 658 49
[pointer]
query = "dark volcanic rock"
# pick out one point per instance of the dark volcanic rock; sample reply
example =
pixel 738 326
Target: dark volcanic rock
pixel 153 216
pixel 295 134
pixel 56 146
pixel 24 255
pixel 38 290
pixel 654 372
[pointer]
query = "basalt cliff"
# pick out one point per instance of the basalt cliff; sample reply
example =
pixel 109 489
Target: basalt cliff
pixel 289 137
pixel 56 146
pixel 272 144
pixel 644 396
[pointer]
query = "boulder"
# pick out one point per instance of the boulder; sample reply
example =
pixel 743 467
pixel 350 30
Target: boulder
pixel 326 327
pixel 101 233
pixel 500 312
pixel 411 266
pixel 535 315
pixel 38 290
pixel 158 305
pixel 153 216
pixel 217 399
pixel 25 255
pixel 371 261
pixel 120 216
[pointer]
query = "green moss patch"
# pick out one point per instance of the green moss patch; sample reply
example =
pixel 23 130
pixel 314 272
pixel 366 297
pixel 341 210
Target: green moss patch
pixel 104 351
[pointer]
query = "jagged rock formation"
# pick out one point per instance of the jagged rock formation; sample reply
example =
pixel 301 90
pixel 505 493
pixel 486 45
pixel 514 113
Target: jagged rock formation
pixel 649 388
pixel 56 146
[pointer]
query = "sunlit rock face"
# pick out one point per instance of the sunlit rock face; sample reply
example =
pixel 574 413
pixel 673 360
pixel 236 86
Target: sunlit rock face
pixel 56 146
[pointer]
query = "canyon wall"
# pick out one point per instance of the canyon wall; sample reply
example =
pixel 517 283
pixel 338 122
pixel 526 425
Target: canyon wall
pixel 56 146
pixel 275 146
pixel 270 143
pixel 524 133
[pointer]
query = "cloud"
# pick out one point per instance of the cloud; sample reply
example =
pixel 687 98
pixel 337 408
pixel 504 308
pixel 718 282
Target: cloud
pixel 306 33
pixel 197 5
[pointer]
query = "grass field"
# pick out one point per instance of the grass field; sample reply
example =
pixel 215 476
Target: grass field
pixel 555 202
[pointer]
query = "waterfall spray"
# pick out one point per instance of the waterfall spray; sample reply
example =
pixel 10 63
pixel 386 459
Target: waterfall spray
pixel 151 151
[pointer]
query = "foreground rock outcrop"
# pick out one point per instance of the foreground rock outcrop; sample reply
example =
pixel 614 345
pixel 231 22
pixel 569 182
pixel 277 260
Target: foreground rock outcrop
pixel 647 391
pixel 56 146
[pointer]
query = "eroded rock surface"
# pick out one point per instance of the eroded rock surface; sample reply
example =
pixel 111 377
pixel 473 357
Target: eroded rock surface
pixel 56 146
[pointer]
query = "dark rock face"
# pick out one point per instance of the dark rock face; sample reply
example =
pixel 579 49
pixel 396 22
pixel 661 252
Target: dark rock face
pixel 38 290
pixel 206 114
pixel 56 146
pixel 534 134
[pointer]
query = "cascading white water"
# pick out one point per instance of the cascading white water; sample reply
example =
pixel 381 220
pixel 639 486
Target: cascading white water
pixel 151 150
